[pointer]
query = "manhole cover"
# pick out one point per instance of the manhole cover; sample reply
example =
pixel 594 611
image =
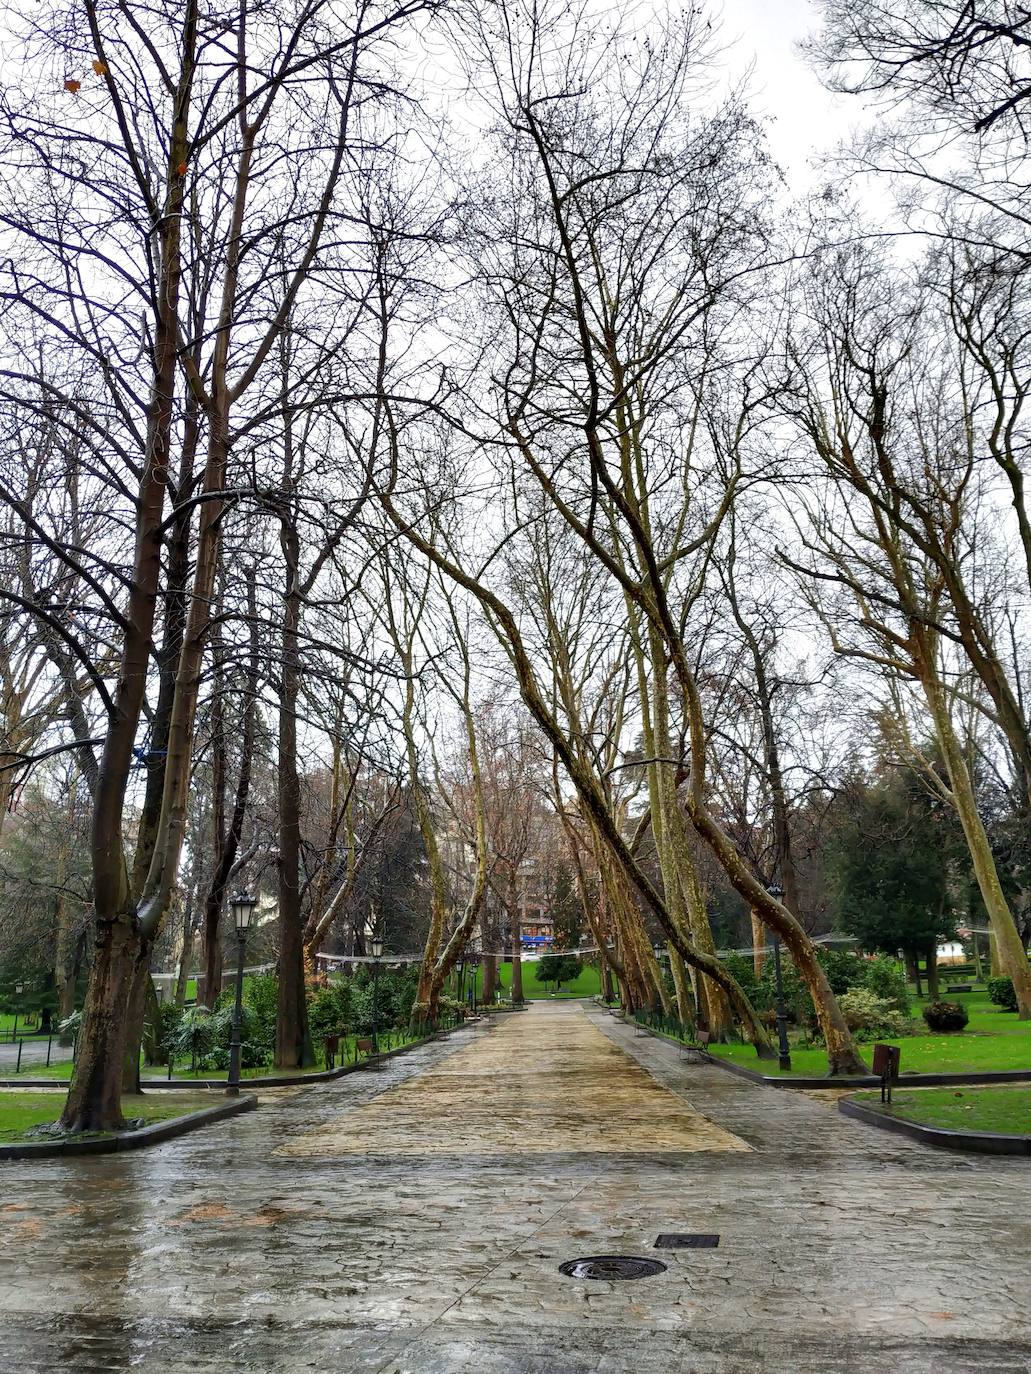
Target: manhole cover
pixel 611 1267
pixel 686 1240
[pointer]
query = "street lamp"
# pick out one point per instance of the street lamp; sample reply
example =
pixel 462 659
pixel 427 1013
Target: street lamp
pixel 377 954
pixel 242 905
pixel 777 892
pixel 19 988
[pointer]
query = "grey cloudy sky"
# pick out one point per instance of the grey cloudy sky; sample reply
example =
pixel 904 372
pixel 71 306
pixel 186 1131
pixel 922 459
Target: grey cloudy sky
pixel 806 118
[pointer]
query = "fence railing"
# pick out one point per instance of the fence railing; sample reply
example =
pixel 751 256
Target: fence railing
pixel 665 1025
pixel 43 1051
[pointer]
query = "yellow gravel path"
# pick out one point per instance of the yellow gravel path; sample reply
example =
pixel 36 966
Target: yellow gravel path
pixel 543 1081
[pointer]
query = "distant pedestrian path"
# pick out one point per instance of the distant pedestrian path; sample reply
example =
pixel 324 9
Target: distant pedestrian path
pixel 544 1081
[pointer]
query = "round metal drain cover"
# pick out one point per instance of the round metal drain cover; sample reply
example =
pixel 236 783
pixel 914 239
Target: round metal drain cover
pixel 611 1267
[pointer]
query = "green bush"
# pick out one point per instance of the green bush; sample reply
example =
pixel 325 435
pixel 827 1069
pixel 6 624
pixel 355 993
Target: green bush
pixel 886 978
pixel 743 969
pixel 869 1016
pixel 946 1016
pixel 169 1018
pixel 261 995
pixel 1002 992
pixel 193 1036
pixel 205 1038
pixel 331 1011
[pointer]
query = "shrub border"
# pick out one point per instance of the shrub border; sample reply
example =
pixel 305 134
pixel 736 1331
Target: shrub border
pixel 154 1134
pixel 978 1142
pixel 284 1080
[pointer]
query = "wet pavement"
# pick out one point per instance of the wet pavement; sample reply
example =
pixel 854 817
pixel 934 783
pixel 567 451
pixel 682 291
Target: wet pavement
pixel 411 1219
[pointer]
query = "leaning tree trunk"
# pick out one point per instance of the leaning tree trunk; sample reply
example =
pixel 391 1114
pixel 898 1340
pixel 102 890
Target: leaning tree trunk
pixel 758 942
pixel 682 985
pixel 1011 952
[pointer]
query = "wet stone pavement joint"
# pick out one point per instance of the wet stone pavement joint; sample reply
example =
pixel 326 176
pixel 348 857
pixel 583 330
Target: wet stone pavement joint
pixel 411 1220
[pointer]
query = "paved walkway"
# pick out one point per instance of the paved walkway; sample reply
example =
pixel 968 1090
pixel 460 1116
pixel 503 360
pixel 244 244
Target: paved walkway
pixel 410 1220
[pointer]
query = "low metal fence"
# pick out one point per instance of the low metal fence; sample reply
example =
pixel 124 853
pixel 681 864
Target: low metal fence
pixel 26 1053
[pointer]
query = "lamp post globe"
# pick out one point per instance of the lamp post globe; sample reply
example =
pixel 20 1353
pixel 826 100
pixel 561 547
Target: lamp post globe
pixel 783 1049
pixel 242 907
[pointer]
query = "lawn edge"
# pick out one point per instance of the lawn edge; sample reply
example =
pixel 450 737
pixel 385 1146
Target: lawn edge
pixel 978 1142
pixel 155 1134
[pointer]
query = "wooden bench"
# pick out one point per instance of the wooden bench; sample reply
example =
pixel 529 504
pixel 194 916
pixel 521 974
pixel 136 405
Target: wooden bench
pixel 331 1045
pixel 364 1046
pixel 959 987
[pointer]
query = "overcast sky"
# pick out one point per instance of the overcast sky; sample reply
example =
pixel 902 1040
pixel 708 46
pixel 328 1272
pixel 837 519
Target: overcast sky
pixel 806 118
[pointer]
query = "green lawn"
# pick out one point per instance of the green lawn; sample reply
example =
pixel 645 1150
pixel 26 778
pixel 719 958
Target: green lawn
pixel 993 1040
pixel 19 1111
pixel 588 984
pixel 1004 1109
pixel 7 1023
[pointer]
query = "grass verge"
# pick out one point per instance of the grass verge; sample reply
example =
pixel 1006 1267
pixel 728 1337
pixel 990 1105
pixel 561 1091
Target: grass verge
pixel 21 1111
pixel 993 1041
pixel 1003 1110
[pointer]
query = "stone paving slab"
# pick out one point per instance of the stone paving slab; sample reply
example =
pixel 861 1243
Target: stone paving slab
pixel 843 1250
pixel 567 1089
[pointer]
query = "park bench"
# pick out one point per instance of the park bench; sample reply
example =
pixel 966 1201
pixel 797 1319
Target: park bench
pixel 959 987
pixel 699 1048
pixel 366 1047
pixel 331 1045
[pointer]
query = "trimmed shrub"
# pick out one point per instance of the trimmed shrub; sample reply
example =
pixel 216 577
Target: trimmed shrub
pixel 869 1016
pixel 946 1016
pixel 1002 992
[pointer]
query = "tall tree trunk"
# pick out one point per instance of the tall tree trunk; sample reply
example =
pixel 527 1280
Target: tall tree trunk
pixel 227 837
pixel 933 982
pixel 94 1095
pixel 913 970
pixel 293 1043
pixel 517 940
pixel 186 954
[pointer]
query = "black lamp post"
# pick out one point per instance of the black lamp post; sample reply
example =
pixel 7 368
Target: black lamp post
pixel 377 954
pixel 777 892
pixel 242 905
